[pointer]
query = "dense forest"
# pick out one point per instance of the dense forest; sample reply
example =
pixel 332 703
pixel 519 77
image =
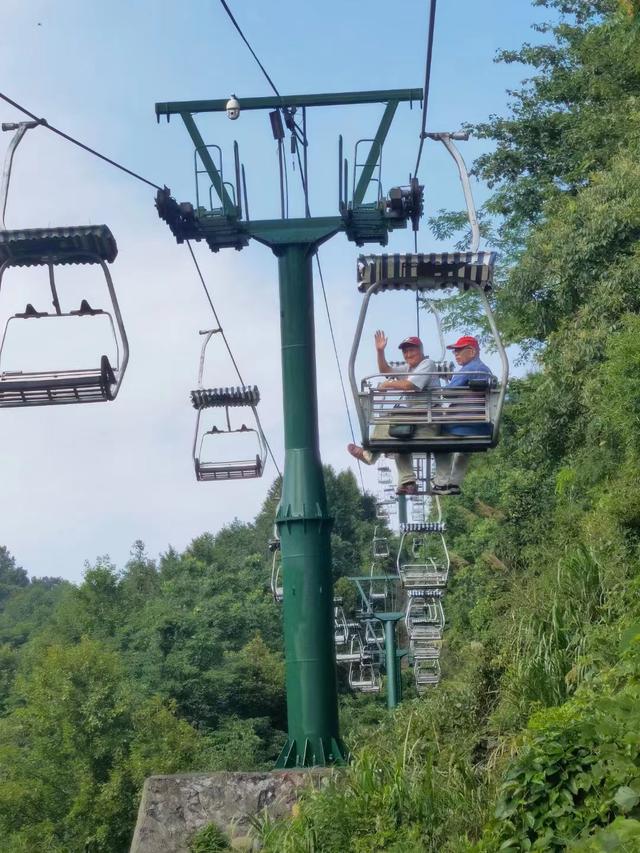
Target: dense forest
pixel 532 739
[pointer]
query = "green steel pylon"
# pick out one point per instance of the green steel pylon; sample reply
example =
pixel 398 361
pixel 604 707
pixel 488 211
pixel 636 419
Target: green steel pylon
pixel 303 520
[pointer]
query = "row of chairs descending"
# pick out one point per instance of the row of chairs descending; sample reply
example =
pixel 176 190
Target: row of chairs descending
pixel 423 566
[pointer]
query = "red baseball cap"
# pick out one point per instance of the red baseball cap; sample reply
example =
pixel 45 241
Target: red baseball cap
pixel 465 341
pixel 410 342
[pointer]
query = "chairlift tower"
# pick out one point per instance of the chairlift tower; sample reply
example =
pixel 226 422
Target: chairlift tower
pixel 302 518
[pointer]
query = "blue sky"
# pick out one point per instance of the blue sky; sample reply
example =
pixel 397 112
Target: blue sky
pixel 83 481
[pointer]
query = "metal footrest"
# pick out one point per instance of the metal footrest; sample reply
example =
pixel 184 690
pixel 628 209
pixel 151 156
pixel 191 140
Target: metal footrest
pixel 246 470
pixel 57 388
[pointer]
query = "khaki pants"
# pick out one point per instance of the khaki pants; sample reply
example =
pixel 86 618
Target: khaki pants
pixel 450 468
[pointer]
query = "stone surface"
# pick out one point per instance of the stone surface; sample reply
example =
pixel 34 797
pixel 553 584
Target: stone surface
pixel 173 808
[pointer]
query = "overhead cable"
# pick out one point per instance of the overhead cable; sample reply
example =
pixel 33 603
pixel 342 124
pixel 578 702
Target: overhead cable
pixel 244 39
pixel 227 345
pixel 427 81
pixel 77 142
pixel 122 168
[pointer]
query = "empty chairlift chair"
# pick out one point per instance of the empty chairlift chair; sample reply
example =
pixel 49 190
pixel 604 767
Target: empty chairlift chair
pixel 353 652
pixel 220 467
pixel 380 545
pixel 426 674
pixel 384 475
pixel 426 565
pixel 54 248
pixel 364 677
pixel 424 620
pixel 340 625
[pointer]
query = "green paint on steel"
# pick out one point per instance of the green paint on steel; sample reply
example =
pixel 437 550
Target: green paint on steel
pixel 304 528
pixel 390 620
pixel 375 152
pixel 330 99
pixel 302 518
pixel 402 509
pixel 228 207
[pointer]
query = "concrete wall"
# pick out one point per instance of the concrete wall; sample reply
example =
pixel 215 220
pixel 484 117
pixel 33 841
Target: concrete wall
pixel 173 808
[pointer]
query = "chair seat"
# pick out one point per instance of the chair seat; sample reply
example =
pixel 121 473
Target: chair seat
pixel 57 387
pixel 243 470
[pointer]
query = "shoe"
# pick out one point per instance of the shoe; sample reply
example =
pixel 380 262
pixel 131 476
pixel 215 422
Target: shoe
pixel 446 489
pixel 407 489
pixel 358 453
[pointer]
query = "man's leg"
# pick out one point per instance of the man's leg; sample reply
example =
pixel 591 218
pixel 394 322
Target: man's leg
pixel 404 466
pixel 369 457
pixel 459 468
pixel 442 470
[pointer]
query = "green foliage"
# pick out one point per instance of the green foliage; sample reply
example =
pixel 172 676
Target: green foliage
pixel 210 839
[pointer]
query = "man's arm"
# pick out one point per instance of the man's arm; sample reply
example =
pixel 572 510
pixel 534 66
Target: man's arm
pixel 381 343
pixel 397 385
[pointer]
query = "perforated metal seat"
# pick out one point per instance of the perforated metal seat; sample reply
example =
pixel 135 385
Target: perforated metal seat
pixel 65 386
pixel 426 673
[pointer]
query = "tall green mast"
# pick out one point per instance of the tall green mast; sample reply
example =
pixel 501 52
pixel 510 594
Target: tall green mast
pixel 303 520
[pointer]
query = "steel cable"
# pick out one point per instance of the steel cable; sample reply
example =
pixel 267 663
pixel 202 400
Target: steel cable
pixel 427 82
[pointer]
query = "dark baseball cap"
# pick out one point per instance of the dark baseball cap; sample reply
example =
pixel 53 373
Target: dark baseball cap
pixel 410 342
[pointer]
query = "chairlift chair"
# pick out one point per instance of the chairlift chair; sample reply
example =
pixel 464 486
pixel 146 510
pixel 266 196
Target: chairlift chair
pixel 355 653
pixel 340 628
pixel 424 617
pixel 53 248
pixel 426 673
pixel 364 677
pixel 384 474
pixel 374 633
pixel 479 405
pixel 380 545
pixel 420 572
pixel 247 467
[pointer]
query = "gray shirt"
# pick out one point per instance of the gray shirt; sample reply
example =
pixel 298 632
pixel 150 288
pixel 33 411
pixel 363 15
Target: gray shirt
pixel 423 376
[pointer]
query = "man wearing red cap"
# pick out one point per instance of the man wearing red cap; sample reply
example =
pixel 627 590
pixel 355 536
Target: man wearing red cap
pixel 419 374
pixel 451 467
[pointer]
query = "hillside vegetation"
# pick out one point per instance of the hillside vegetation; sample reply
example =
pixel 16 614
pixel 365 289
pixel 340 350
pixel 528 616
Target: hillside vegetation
pixel 155 668
pixel 532 739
